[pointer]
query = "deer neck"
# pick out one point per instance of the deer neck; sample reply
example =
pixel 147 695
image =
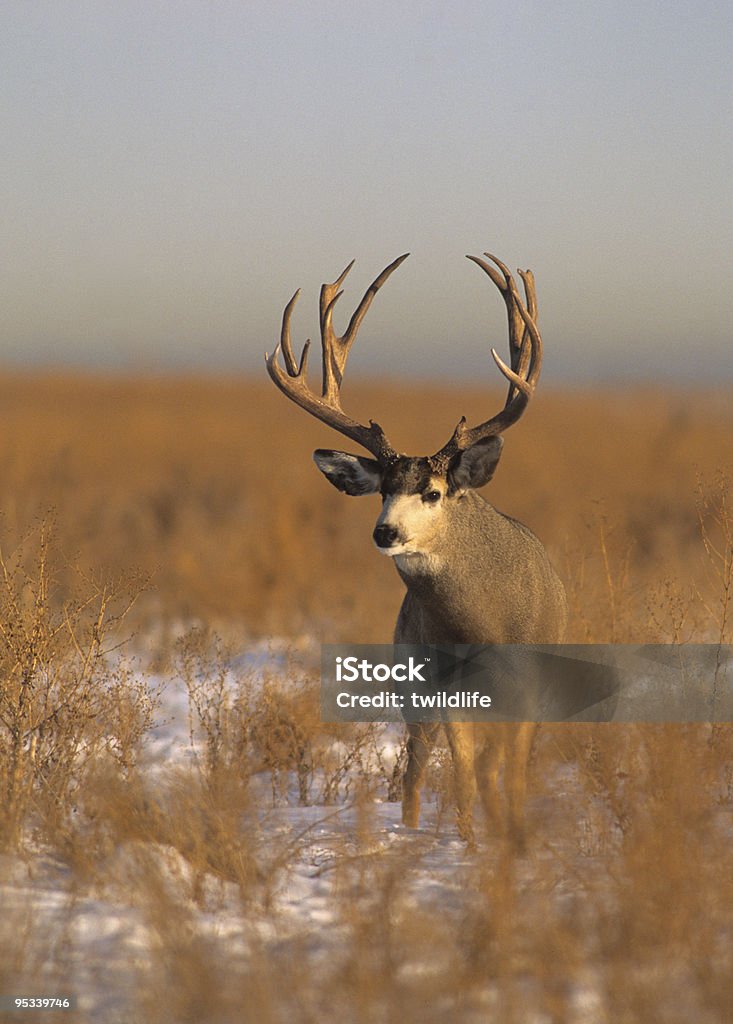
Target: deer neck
pixel 441 580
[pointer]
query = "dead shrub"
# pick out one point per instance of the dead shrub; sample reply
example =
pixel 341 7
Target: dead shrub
pixel 64 701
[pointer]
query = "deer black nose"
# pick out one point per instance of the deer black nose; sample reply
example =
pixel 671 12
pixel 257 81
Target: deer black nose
pixel 385 536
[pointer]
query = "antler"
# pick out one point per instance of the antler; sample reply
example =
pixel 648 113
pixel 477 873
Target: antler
pixel 525 356
pixel 293 382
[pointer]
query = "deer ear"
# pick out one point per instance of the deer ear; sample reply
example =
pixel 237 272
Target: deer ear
pixel 475 467
pixel 351 474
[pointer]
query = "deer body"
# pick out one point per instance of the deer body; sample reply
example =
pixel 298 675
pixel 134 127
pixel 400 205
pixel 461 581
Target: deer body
pixel 492 584
pixel 488 580
pixel 472 575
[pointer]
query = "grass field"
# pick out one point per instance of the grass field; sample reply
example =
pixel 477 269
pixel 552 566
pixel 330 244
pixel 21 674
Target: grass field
pixel 184 840
pixel 206 488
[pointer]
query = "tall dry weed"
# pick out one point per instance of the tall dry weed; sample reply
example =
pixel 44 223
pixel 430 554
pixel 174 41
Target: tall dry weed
pixel 63 703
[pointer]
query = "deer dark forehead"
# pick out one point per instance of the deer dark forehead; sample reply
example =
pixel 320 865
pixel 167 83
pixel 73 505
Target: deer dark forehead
pixel 407 476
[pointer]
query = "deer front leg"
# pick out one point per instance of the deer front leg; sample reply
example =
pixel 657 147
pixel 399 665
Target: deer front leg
pixel 519 749
pixel 461 743
pixel 490 758
pixel 505 746
pixel 420 743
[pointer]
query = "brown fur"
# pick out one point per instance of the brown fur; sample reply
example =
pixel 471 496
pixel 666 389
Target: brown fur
pixel 494 584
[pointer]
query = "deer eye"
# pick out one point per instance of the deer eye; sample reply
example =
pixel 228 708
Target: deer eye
pixel 431 497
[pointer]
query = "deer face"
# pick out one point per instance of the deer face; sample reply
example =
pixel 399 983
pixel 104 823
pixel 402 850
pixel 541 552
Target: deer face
pixel 418 494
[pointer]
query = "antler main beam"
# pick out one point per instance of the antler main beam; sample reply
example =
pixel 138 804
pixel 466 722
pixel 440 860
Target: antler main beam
pixel 525 357
pixel 292 380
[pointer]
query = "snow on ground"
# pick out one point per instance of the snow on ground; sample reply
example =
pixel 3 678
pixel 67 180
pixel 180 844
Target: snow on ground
pixel 107 942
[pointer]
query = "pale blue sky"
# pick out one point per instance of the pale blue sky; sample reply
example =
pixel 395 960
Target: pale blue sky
pixel 171 172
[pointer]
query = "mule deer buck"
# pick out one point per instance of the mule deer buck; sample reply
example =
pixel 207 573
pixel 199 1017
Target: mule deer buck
pixel 473 575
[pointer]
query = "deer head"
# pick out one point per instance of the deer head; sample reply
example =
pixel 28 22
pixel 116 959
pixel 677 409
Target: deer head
pixel 418 492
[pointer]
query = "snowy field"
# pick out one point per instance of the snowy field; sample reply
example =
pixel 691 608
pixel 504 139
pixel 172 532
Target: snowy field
pixel 349 916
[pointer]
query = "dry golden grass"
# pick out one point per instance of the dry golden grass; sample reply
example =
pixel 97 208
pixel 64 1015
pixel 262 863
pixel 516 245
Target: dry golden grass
pixel 206 489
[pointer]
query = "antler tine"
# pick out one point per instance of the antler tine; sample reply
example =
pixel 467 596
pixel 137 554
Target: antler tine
pixel 330 294
pixel 525 351
pixel 285 341
pixel 335 348
pixel 292 380
pixel 531 307
pixel 530 291
pixel 517 336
